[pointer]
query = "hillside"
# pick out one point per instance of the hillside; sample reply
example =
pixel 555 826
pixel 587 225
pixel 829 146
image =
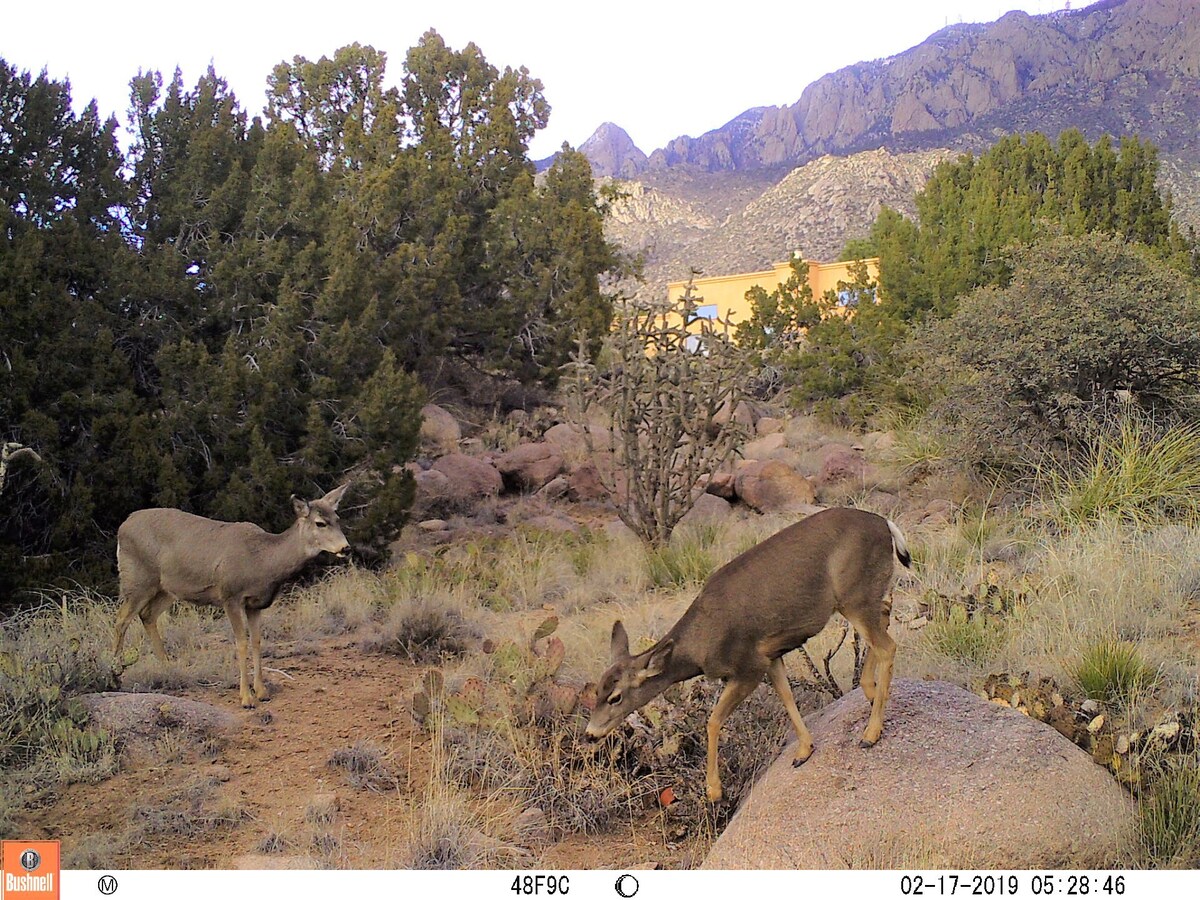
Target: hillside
pixel 869 134
pixel 816 207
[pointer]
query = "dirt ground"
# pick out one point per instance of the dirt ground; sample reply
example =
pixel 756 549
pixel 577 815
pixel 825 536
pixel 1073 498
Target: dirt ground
pixel 262 797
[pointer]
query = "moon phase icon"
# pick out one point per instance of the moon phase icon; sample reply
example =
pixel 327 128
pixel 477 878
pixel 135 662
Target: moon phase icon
pixel 627 886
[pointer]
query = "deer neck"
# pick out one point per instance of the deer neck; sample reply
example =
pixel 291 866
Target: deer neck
pixel 681 666
pixel 286 554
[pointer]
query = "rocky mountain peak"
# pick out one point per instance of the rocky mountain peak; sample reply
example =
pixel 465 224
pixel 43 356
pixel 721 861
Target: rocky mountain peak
pixel 612 152
pixel 1101 69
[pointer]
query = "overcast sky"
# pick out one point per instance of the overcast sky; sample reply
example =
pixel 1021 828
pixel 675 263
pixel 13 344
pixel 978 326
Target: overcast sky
pixel 657 70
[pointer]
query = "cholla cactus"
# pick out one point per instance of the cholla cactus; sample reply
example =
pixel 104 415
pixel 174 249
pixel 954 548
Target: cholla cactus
pixel 668 392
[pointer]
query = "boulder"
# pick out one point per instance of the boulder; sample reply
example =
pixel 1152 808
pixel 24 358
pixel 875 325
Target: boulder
pixel 955 782
pixel 768 425
pixel 466 482
pixel 721 484
pixel 707 510
pixel 771 486
pixel 529 467
pixel 764 446
pixel 138 720
pixel 555 489
pixel 568 439
pixel 841 463
pixel 584 484
pixel 439 430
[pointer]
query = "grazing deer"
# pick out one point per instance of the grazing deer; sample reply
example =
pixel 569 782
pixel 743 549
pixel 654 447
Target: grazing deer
pixel 165 555
pixel 756 608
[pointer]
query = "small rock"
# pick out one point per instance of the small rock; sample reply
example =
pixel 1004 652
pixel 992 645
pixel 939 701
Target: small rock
pixel 1089 706
pixel 555 489
pixel 323 808
pixel 433 525
pixel 1095 725
pixel 533 828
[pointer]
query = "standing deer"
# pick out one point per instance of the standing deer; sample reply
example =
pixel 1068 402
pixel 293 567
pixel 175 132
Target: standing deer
pixel 165 555
pixel 756 608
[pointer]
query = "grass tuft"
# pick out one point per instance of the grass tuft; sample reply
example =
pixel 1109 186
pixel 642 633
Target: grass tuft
pixel 1111 672
pixel 1136 472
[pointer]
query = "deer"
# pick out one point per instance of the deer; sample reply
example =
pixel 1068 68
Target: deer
pixel 167 555
pixel 756 608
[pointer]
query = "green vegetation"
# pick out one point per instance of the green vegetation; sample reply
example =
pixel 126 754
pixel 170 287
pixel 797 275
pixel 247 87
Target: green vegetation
pixel 244 307
pixel 1134 471
pixel 1169 815
pixel 1025 190
pixel 1112 671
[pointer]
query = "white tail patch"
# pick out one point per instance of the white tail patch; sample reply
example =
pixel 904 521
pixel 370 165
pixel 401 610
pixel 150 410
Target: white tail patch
pixel 900 544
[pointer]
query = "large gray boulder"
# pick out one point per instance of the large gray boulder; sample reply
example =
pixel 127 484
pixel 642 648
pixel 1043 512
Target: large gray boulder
pixel 955 782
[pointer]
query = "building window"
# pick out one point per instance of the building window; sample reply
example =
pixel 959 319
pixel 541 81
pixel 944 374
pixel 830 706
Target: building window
pixel 707 311
pixel 851 298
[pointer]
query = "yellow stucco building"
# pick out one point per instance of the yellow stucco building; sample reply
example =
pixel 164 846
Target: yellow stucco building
pixel 725 295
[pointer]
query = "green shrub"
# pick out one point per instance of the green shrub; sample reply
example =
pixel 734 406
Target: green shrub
pixel 1133 471
pixel 1111 672
pixel 1169 815
pixel 679 564
pixel 969 639
pixel 1028 367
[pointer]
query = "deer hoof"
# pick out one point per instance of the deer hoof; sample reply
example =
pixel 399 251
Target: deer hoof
pixel 866 745
pixel 714 796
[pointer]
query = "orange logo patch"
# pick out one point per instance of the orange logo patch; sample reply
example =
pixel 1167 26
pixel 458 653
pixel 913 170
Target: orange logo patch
pixel 31 870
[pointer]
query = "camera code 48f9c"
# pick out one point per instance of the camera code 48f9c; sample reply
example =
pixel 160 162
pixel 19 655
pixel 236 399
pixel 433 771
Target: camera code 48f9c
pixel 1049 884
pixel 541 885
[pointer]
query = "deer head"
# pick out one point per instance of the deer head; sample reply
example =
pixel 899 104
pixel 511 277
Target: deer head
pixel 317 521
pixel 629 683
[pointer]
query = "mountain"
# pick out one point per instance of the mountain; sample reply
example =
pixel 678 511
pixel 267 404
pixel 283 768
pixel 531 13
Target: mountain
pixel 684 223
pixel 1117 66
pixel 611 152
pixel 811 175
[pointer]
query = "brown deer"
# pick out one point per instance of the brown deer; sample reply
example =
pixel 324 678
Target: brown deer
pixel 166 555
pixel 756 608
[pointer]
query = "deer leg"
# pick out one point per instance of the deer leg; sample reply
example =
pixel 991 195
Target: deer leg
pixel 237 620
pixel 881 655
pixel 736 690
pixel 149 615
pixel 254 620
pixel 779 681
pixel 124 616
pixel 867 679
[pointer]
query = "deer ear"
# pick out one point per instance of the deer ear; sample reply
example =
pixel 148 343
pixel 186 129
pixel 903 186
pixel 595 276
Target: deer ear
pixel 659 657
pixel 619 648
pixel 300 506
pixel 334 497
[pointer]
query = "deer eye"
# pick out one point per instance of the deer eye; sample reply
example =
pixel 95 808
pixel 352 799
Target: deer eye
pixel 321 524
pixel 614 699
